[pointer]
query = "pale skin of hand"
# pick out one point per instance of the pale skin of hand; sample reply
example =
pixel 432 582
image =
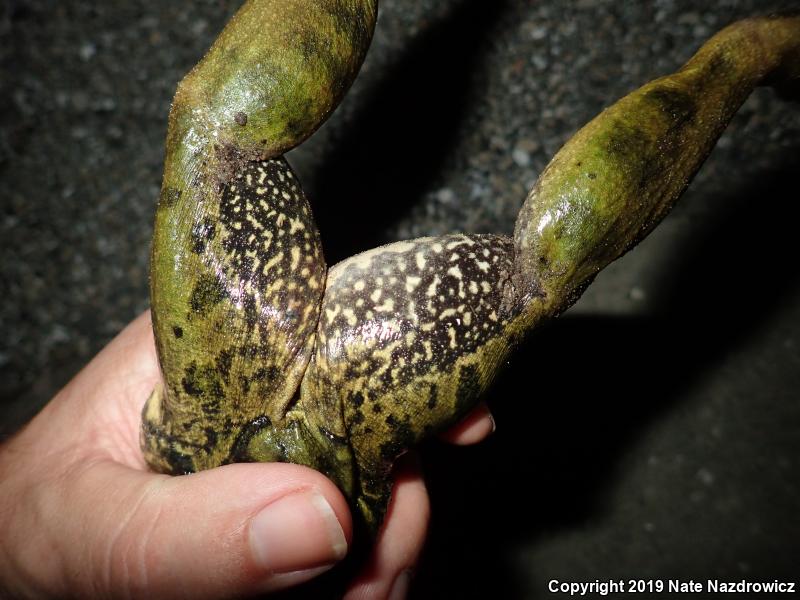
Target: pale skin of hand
pixel 82 516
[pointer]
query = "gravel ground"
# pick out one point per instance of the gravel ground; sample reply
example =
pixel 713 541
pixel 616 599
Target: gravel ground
pixel 657 423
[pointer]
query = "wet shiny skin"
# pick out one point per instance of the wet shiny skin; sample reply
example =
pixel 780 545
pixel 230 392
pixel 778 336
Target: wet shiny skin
pixel 269 355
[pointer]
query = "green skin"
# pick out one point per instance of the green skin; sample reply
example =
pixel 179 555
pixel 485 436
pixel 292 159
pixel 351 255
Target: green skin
pixel 268 355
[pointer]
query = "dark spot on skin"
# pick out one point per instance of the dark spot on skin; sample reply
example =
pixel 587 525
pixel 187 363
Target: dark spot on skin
pixel 627 144
pixel 239 450
pixel 354 370
pixel 678 106
pixel 388 451
pixel 180 464
pixel 211 438
pixel 169 197
pixel 433 397
pixel 211 405
pixel 263 141
pixel 345 16
pixel 357 399
pixel 402 439
pixel 377 408
pixel 297 128
pixel 324 465
pixel 309 43
pixel 177 331
pixel 245 264
pixel 203 382
pixel 720 65
pixel 223 363
pixel 468 388
pixel 250 311
pixel 189 381
pixel 202 233
pixel 368 430
pixel 630 146
pixel 357 418
pixel 240 118
pixel 249 351
pixel 592 175
pixel 267 374
pixel 207 292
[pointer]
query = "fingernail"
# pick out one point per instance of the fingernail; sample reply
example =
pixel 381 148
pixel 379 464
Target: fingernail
pixel 494 423
pixel 400 586
pixel 295 533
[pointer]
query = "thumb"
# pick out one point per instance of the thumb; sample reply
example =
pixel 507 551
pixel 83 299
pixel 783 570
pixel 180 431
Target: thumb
pixel 231 531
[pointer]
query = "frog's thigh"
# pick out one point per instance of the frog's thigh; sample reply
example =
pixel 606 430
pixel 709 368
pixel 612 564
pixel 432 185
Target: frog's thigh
pixel 236 299
pixel 410 335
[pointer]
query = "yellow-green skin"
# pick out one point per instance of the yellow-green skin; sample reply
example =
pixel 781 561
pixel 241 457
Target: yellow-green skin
pixel 268 355
pixel 237 272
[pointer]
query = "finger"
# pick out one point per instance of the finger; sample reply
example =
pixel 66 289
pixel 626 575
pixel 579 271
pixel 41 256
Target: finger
pixel 131 354
pixel 103 402
pixel 236 530
pixel 128 365
pixel 476 426
pixel 388 572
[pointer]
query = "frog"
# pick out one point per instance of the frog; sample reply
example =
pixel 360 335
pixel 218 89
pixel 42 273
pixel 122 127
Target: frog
pixel 268 354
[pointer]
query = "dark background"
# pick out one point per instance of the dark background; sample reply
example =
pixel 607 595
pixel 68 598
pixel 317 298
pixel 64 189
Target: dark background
pixel 652 432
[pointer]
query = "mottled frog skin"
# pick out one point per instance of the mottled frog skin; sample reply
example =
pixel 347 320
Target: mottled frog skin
pixel 269 355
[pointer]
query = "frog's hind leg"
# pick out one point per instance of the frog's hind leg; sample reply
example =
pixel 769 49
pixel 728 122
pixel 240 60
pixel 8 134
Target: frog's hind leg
pixel 409 337
pixel 616 178
pixel 164 452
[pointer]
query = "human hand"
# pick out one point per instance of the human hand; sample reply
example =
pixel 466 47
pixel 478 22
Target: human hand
pixel 82 516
